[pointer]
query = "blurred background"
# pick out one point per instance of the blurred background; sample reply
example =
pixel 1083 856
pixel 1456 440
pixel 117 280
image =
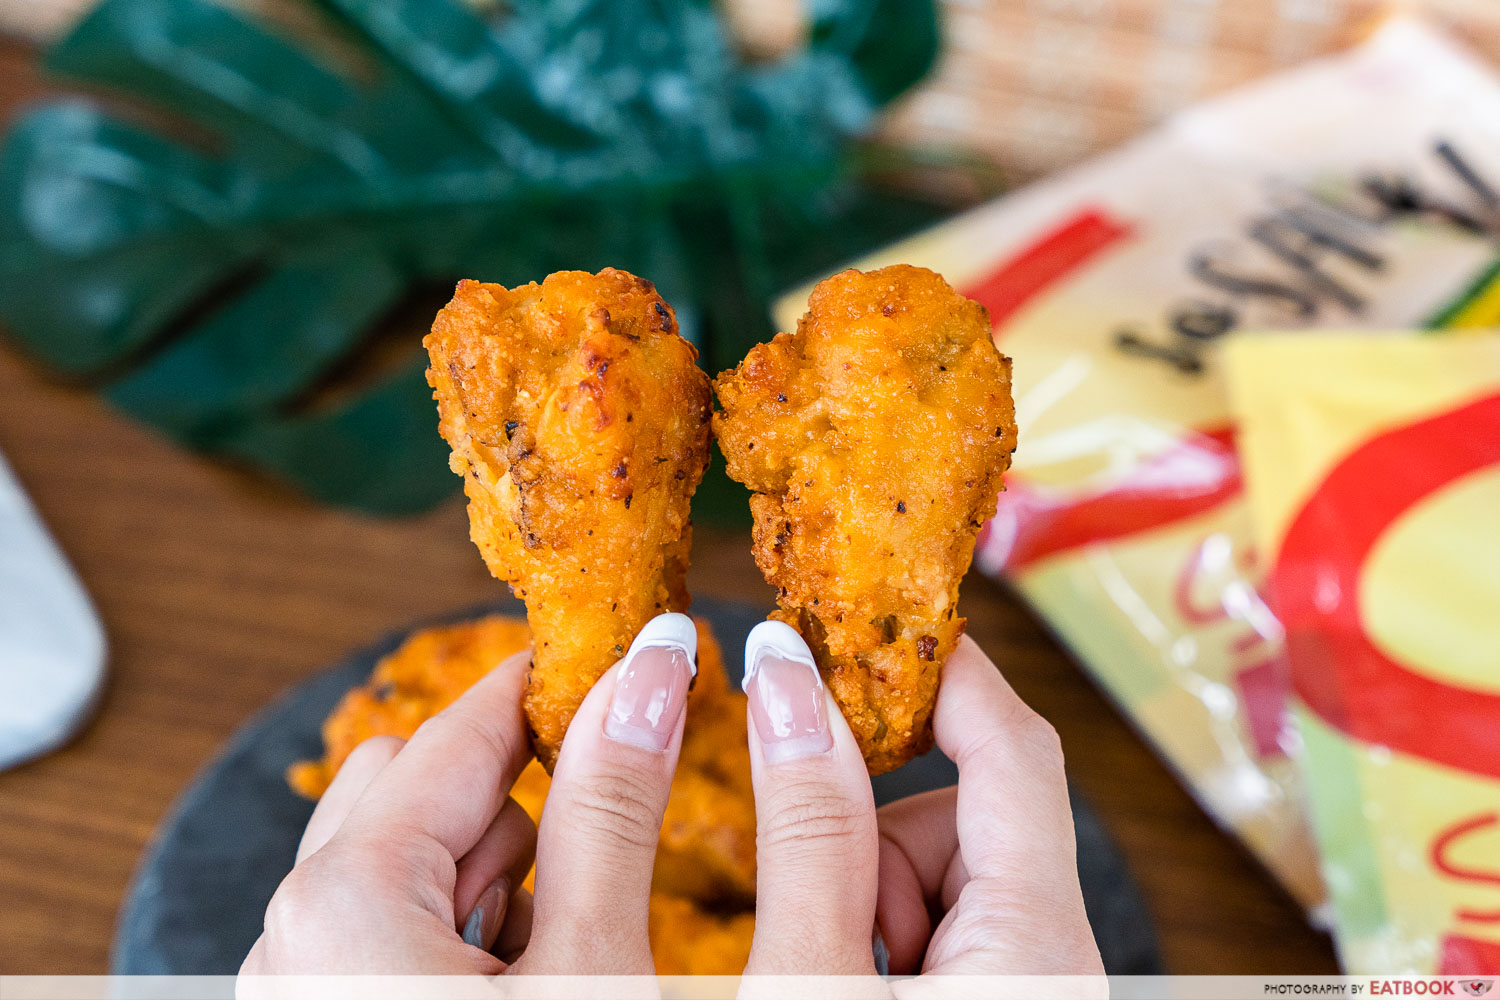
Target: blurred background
pixel 225 227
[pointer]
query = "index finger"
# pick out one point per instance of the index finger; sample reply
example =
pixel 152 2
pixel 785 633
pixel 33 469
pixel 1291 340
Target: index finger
pixel 1014 818
pixel 450 780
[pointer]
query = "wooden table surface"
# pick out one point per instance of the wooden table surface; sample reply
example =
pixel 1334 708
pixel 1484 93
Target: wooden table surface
pixel 218 591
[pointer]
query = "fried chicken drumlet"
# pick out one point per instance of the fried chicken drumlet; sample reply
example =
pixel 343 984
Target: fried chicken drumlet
pixel 874 439
pixel 580 424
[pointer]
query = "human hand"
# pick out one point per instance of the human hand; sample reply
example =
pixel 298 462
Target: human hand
pixel 977 879
pixel 413 861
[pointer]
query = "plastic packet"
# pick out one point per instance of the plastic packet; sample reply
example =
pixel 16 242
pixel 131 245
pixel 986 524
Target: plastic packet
pixel 1356 191
pixel 1373 475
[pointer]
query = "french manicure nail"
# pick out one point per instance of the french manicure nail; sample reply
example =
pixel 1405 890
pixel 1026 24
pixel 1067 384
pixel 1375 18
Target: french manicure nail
pixel 483 924
pixel 786 694
pixel 652 684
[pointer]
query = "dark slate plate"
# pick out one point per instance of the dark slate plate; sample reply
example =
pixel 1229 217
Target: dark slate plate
pixel 196 903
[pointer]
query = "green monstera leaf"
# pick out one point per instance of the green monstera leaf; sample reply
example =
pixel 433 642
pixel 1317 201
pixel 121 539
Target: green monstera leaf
pixel 212 278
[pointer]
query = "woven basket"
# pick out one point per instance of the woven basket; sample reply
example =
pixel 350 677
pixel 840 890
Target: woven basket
pixel 1037 84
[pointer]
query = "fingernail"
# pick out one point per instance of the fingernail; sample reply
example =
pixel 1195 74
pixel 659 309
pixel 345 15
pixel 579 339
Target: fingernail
pixel 786 694
pixel 652 684
pixel 880 952
pixel 483 925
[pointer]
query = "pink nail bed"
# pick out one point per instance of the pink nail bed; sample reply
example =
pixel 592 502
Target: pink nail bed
pixel 652 685
pixel 786 695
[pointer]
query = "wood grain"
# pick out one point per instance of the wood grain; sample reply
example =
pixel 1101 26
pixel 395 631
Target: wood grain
pixel 218 591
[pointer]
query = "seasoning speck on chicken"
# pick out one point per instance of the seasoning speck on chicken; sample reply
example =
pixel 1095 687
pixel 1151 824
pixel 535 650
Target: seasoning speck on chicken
pixel 557 399
pixel 874 439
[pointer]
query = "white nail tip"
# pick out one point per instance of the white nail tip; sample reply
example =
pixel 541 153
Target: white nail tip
pixel 672 630
pixel 772 638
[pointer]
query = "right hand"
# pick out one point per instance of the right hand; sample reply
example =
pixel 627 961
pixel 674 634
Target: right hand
pixel 981 878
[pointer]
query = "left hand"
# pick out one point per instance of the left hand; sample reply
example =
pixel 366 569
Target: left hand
pixel 413 861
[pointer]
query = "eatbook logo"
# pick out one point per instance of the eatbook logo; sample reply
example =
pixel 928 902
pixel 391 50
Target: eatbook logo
pixel 1478 987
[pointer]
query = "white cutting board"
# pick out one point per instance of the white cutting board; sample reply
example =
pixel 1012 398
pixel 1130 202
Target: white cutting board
pixel 52 649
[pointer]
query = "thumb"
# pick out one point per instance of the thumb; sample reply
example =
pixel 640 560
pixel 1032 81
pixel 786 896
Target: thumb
pixel 597 841
pixel 817 844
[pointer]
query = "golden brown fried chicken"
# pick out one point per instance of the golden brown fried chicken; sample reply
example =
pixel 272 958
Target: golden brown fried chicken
pixel 874 439
pixel 580 423
pixel 687 940
pixel 423 676
pixel 713 742
pixel 707 847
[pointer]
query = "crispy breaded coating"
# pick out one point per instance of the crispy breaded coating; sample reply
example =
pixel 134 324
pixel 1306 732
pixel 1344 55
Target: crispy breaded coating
pixel 713 742
pixel 687 940
pixel 423 676
pixel 579 421
pixel 874 439
pixel 707 848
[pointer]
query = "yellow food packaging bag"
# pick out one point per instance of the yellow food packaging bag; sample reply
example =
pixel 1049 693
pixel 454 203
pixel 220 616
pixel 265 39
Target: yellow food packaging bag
pixel 1350 192
pixel 1372 469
